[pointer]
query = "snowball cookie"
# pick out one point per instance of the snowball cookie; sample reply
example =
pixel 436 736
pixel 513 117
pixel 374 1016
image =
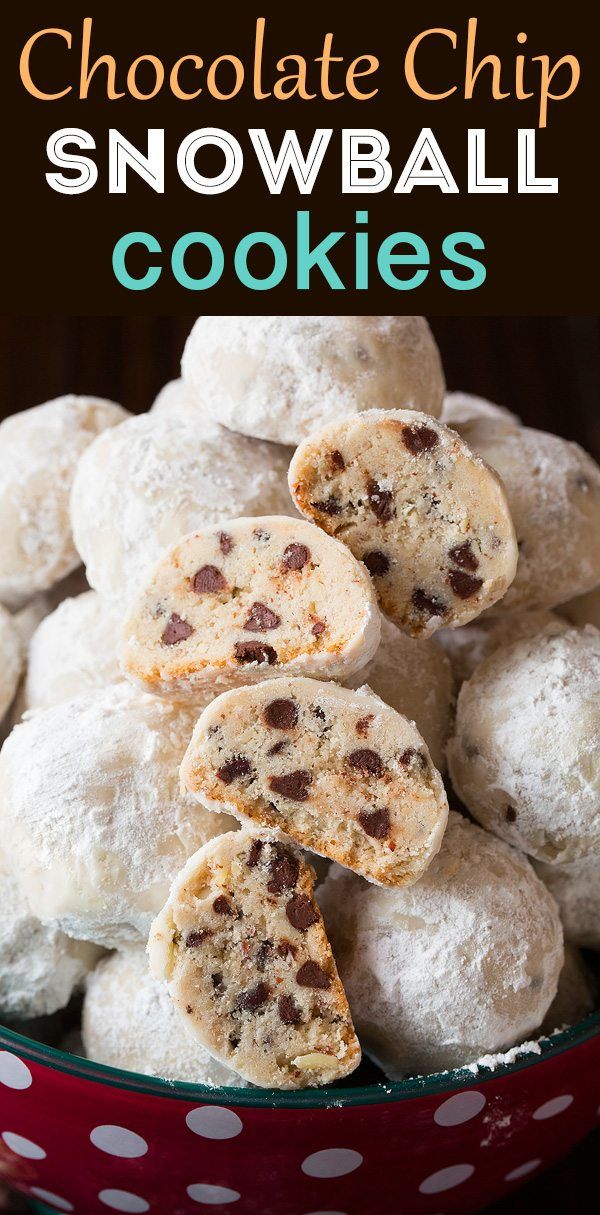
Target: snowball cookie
pixel 468 647
pixel 524 755
pixel 39 451
pixel 138 490
pixel 553 490
pixel 11 659
pixel 177 400
pixel 265 597
pixel 242 947
pixel 576 996
pixel 40 967
pixel 279 377
pixel 585 609
pixel 425 514
pixel 129 1021
pixel 463 963
pixel 335 769
pixel 96 826
pixel 462 408
pixel 74 650
pixel 576 888
pixel 415 678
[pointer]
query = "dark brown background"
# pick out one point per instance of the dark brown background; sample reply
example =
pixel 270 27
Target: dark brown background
pixel 541 251
pixel 545 368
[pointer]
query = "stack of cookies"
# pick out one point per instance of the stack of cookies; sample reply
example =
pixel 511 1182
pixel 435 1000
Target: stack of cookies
pixel 312 580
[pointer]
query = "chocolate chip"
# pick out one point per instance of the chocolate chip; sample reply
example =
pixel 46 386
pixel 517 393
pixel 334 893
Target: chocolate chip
pixel 463 555
pixel 318 628
pixel 318 712
pixel 176 630
pixel 253 651
pixel 208 580
pixel 295 557
pixel 196 937
pixel 301 912
pixel 336 460
pixel 234 1041
pixel 292 785
pixel 377 563
pixel 226 543
pixel 217 981
pixel 238 766
pixel 511 814
pixel 222 906
pixel 362 725
pixel 365 760
pixel 278 747
pixel 380 501
pixel 284 870
pixel 289 1012
pixel 262 955
pixel 411 754
pixel 261 619
pixel 285 949
pixel 375 823
pixel 464 585
pixel 428 605
pixel 281 714
pixel 253 858
pixel 311 975
pixel 419 438
pixel 332 506
pixel 253 998
pixel 261 534
pixel 188 1009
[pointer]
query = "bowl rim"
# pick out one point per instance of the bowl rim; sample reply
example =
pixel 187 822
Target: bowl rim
pixel 379 1092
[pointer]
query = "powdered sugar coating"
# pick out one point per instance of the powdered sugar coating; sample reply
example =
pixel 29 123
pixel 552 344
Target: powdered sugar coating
pixel 464 962
pixel 129 1021
pixel 176 400
pixel 468 647
pixel 524 755
pixel 279 377
pixel 96 825
pixel 576 888
pixel 553 491
pixel 11 659
pixel 40 967
pixel 463 408
pixel 140 489
pixel 415 678
pixel 73 650
pixel 39 451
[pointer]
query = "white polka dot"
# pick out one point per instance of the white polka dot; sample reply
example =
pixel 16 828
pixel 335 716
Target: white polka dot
pixel 446 1179
pixel 122 1200
pixel 214 1122
pixel 13 1072
pixel 523 1170
pixel 459 1108
pixel 23 1147
pixel 118 1141
pixel 54 1200
pixel 332 1162
pixel 212 1195
pixel 551 1108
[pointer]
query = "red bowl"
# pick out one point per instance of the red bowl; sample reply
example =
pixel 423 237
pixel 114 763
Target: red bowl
pixel 77 1136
